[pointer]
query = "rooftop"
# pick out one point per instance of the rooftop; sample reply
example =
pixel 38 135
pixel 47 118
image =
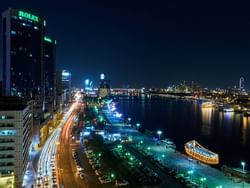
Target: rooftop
pixel 12 103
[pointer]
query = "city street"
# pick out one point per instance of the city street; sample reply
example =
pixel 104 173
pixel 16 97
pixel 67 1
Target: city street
pixel 66 168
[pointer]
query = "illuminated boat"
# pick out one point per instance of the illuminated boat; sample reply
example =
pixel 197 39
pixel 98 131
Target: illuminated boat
pixel 197 151
pixel 228 109
pixel 207 105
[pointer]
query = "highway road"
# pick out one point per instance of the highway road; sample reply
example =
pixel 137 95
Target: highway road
pixel 49 151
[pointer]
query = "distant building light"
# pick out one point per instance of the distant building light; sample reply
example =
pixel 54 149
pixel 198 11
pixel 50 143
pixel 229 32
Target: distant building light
pixel 13 32
pixel 87 82
pixel 47 39
pixel 102 76
pixel 65 73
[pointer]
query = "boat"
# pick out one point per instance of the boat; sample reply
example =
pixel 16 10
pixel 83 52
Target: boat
pixel 169 143
pixel 207 105
pixel 228 109
pixel 246 113
pixel 197 151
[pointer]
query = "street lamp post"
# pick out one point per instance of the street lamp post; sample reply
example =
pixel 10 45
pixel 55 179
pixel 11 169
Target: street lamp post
pixel 203 181
pixel 243 173
pixel 159 132
pixel 190 172
pixel 138 125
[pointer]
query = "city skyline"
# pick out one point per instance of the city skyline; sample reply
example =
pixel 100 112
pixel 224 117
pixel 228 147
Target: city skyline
pixel 124 94
pixel 156 44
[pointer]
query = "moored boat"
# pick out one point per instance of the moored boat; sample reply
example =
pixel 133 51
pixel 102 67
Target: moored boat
pixel 197 151
pixel 207 105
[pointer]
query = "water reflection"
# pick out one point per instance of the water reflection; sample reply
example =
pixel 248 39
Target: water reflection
pixel 245 129
pixel 206 121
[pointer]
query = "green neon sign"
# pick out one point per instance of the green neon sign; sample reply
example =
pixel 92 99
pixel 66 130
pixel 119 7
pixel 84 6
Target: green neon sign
pixel 28 16
pixel 47 39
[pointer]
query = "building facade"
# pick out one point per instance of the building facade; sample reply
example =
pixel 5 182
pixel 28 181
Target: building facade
pixel 23 59
pixel 66 85
pixel 15 137
pixel 50 74
pixel 104 88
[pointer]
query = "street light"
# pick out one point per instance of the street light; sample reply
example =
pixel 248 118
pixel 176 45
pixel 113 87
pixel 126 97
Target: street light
pixel 138 125
pixel 190 172
pixel 243 172
pixel 159 132
pixel 203 181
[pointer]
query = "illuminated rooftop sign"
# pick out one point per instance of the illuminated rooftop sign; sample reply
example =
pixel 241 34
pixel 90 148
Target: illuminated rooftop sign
pixel 28 16
pixel 47 39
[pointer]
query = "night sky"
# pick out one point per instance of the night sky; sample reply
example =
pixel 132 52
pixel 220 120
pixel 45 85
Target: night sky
pixel 148 43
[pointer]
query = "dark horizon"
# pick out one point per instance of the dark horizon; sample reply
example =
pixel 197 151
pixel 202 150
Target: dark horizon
pixel 148 44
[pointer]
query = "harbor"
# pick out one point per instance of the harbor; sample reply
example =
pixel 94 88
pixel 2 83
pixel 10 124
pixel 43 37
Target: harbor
pixel 183 168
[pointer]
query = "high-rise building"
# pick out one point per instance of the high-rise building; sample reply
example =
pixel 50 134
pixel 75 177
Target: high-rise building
pixel 23 41
pixel 15 137
pixel 104 88
pixel 66 85
pixel 50 74
pixel 59 101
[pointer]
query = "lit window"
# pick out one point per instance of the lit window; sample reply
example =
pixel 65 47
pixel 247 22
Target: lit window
pixel 7 132
pixel 13 32
pixel 2 117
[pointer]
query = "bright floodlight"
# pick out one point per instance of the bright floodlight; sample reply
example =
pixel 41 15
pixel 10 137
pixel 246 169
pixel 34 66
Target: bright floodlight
pixel 138 125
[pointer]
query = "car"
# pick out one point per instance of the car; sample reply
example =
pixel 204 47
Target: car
pixel 104 181
pixel 46 178
pixel 39 184
pixel 39 180
pixel 54 180
pixel 79 168
pixel 97 172
pixel 82 176
pixel 46 183
pixel 123 183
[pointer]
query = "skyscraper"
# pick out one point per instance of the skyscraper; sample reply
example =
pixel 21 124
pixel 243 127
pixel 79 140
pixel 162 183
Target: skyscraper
pixel 66 85
pixel 104 88
pixel 23 35
pixel 59 101
pixel 50 73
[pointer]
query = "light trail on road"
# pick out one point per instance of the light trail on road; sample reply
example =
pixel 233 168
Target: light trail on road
pixel 50 147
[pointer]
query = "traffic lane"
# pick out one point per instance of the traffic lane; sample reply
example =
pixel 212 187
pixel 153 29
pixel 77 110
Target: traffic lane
pixel 68 176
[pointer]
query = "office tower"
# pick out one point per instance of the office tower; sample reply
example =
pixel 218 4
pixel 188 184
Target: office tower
pixel 104 88
pixel 66 85
pixel 23 39
pixel 15 137
pixel 59 101
pixel 50 74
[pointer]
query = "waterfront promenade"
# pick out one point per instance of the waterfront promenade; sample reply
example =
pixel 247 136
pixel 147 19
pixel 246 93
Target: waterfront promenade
pixel 202 174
